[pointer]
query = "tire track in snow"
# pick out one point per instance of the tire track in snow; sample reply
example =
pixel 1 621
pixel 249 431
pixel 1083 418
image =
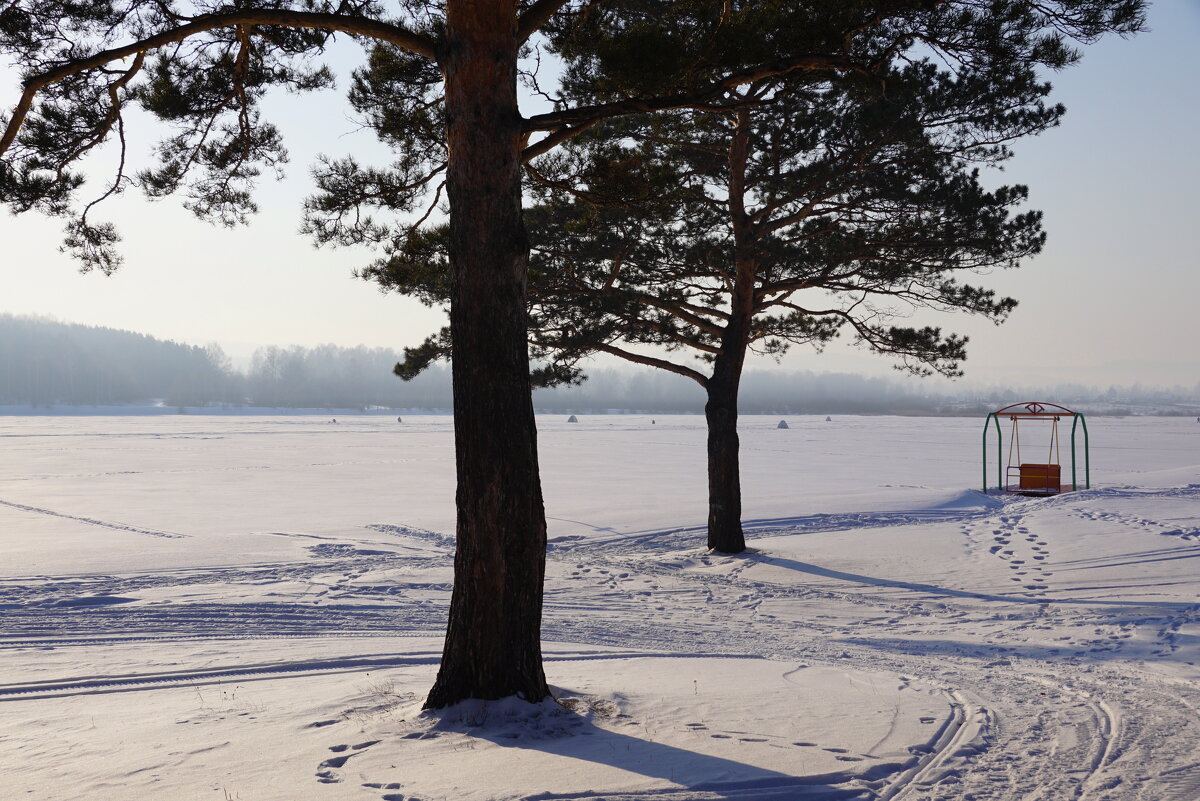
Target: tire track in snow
pixel 93 522
pixel 221 621
pixel 91 685
pixel 954 736
pixel 1155 755
pixel 110 684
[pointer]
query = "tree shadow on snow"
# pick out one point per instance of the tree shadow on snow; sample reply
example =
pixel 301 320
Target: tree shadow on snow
pixel 690 771
pixel 967 505
pixel 947 592
pixel 1130 558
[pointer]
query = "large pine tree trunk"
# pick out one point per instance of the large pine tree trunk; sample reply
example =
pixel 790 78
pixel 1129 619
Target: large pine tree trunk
pixel 493 640
pixel 724 471
pixel 724 468
pixel 721 413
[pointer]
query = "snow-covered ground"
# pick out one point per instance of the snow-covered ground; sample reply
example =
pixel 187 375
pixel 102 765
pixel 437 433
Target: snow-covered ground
pixel 251 608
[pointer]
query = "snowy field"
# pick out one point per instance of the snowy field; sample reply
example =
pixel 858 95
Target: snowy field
pixel 251 608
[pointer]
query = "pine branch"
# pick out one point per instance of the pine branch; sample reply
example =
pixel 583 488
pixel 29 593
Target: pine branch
pixel 384 31
pixel 651 361
pixel 537 15
pixel 705 97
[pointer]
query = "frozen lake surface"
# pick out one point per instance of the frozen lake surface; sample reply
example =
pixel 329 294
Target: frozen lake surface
pixel 251 608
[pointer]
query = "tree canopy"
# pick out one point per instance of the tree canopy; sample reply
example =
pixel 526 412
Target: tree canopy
pixel 816 210
pixel 805 205
pixel 203 67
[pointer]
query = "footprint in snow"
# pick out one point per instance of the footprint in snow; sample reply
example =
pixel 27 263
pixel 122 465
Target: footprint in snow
pixel 325 771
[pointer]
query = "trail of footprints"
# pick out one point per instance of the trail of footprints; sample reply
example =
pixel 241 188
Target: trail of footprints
pixel 1012 539
pixel 843 754
pixel 1139 523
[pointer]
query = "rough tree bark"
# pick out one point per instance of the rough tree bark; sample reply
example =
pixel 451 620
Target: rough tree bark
pixel 721 410
pixel 724 472
pixel 493 640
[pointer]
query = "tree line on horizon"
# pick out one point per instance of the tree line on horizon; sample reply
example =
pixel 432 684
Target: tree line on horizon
pixel 45 363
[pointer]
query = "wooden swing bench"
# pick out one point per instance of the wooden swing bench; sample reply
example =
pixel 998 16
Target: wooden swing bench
pixel 1035 478
pixel 1040 479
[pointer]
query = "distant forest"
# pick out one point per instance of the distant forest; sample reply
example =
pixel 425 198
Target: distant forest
pixel 49 363
pixel 45 363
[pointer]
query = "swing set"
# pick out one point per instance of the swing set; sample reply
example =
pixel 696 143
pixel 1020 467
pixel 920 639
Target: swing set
pixel 1035 478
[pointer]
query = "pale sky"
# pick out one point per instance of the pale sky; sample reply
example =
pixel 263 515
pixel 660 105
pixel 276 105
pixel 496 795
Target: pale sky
pixel 1114 298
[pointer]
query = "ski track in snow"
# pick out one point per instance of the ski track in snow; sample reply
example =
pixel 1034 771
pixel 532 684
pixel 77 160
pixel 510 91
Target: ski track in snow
pixel 93 522
pixel 1082 720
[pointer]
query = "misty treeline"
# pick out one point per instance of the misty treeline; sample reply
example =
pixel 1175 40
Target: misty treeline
pixel 797 392
pixel 806 392
pixel 333 377
pixel 44 362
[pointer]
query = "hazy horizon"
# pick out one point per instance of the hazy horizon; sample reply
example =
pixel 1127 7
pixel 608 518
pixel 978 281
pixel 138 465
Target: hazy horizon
pixel 1110 301
pixel 46 363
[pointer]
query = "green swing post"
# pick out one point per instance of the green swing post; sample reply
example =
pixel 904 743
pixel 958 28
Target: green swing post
pixel 999 450
pixel 1087 454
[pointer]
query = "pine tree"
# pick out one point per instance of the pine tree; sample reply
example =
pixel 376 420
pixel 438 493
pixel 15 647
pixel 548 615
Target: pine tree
pixel 203 67
pixel 803 208
pixel 804 212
